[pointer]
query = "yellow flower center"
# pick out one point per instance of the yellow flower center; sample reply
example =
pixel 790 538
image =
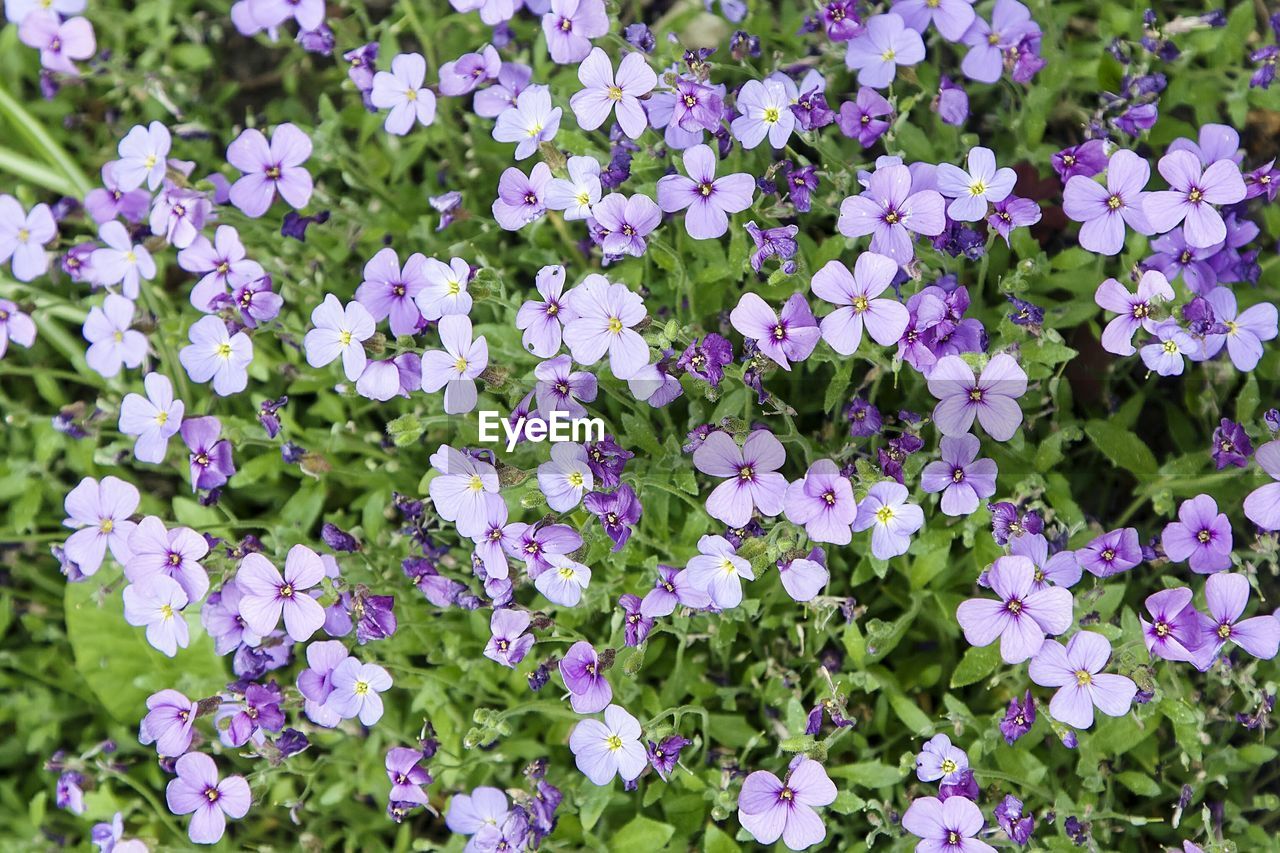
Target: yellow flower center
pixel 949 766
pixel 224 350
pixel 476 484
pixel 977 188
pixel 344 337
pixel 361 688
pixel 575 479
pixel 106 525
pixel 888 55
pixel 615 93
pixel 884 514
pixel 860 304
pixel 615 326
pixel 166 611
pixel 460 364
pixel 614 743
pixel 771 115
pixel 1083 677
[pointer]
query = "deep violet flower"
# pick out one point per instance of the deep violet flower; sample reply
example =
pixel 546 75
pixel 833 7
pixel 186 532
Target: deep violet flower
pixel 618 511
pixel 709 199
pixel 784 339
pixel 753 481
pixel 770 809
pixel 1231 446
pixel 1022 615
pixel 962 478
pixel 1111 553
pixel 210 459
pixel 589 691
pixel 866 118
pixel 407 775
pixel 1076 670
pixel 1018 718
pixel 521 198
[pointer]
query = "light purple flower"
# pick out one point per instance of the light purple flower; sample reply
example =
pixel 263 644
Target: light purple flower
pixel 529 122
pixel 1010 24
pixel 265 595
pixel 210 458
pixel 1164 355
pixel 1174 631
pixel 1111 553
pixel 1227 596
pixel 622 223
pixel 112 344
pixel 938 759
pixel 269 168
pixel 144 153
pixel 198 791
pixel 569 26
pixel 1105 210
pixel 560 387
pixel 470 813
pixel 784 339
pixel 388 291
pixel 508 643
pixel 1076 670
pixel 603 317
pixel 1201 536
pixel 1193 190
pixel 542 320
pixel 589 692
pixel 567 477
pixel 563 581
pixel 356 687
pixel 822 501
pixel 1262 506
pixel 215 354
pixel 513 77
pixel 520 197
pixel 461 76
pixel 709 199
pixel 456 367
pixel 891 518
pixel 864 118
pixel 61 43
pixel 858 294
pixel 751 471
pixel 407 776
pixel 604 92
pixel 168 722
pixel 719 571
pixel 770 809
pixel 218 262
pixel 764 109
pixel 156 602
pixel 1061 569
pixel 1022 615
pixel 1246 330
pixel 178 214
pixel 492 12
pixel 880 47
pixel 962 478
pixel 16 326
pixel 949 826
pixel 605 749
pixel 154 419
pixel 315 683
pixel 804 577
pixel 577 194
pixel 121 261
pixel 1134 310
pixel 890 211
pixel 970 191
pixel 400 90
pixel 23 236
pixel 992 398
pixel 459 493
pixel 951 17
pixel 339 332
pixel 173 554
pixel 673 587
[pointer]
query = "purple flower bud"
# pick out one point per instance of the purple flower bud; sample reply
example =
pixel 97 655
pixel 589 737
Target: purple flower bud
pixel 291 742
pixel 295 225
pixel 639 36
pixel 337 539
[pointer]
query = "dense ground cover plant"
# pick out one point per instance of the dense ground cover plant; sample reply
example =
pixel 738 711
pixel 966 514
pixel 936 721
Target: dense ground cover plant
pixel 933 502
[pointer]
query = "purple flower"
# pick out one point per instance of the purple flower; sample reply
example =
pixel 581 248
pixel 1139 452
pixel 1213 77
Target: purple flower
pixel 602 750
pixel 1018 718
pixel 1011 213
pixel 952 102
pixel 407 776
pixel 1246 330
pixel 791 337
pixel 890 211
pixel 949 826
pixel 1227 596
pixel 198 791
pixel 1061 569
pixel 804 577
pixel 589 692
pixel 1087 159
pixel 764 110
pixel 664 756
pixel 456 367
pixel 881 46
pixel 1106 210
pixel 1076 670
pixel 706 359
pixel 315 683
pixel 1262 506
pixel 891 518
pixel 1134 310
pixel 635 624
pixel 443 288
pixel 579 193
pixel 569 26
pixel 542 321
pixel 537 544
pixel 1111 553
pixel 99 512
pixel 840 19
pixel 622 223
pixel 604 92
pixel 469 813
pixel 265 595
pixel 112 344
pixel 604 314
pixel 268 168
pixel 461 76
pixel 388 291
pixel 210 455
pixel 520 197
pixel 822 501
pixel 777 242
pixel 963 786
pixel 810 109
pixel 253 298
pixel 216 355
pixel 752 471
pixel 564 581
pixel 170 717
pixel 1174 630
pixel 356 689
pixel 144 153
pixel 529 122
pixel 1193 190
pixel 856 295
pixel 400 90
pixel 178 214
pixel 864 118
pixel 770 809
pixel 339 332
pixel 1231 446
pixel 695 108
pixel 951 17
pixel 175 554
pixel 938 759
pixel 961 477
pixel 1201 535
pixel 1010 24
pixel 156 603
pixel 23 237
pixel 259 712
pixel 1138 118
pixel 970 191
pixel 618 511
pixel 512 80
pixel 1021 617
pixel 718 571
pixel 61 43
pixel 69 795
pixel 1011 819
pixel 1164 355
pixel 709 199
pixel 673 587
pixel 992 398
pixel 154 419
pixel 217 262
pixel 15 326
pixel 864 418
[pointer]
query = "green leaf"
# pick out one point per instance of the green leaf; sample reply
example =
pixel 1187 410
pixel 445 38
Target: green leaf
pixel 1123 448
pixel 909 712
pixel 119 664
pixel 978 662
pixel 717 840
pixel 869 774
pixel 642 835
pixel 1140 783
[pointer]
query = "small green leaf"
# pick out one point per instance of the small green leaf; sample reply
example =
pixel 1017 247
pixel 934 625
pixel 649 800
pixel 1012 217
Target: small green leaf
pixel 978 662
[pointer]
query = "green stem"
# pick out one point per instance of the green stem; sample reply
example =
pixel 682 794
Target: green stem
pixel 28 126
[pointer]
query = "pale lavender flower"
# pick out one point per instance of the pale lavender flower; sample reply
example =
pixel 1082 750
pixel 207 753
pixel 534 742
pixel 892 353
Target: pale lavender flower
pixel 991 398
pixel 23 236
pixel 492 12
pixel 1134 310
pixel 1193 192
pixel 858 296
pixel 567 477
pixel 461 76
pixel 952 102
pixel 890 212
pixel 1262 506
pixel 168 723
pixel 970 190
pixel 751 471
pixel 508 643
pixel 1164 355
pixel 1076 670
pixel 605 749
pixel 315 683
pixel 269 168
pixel 784 339
pixel 61 43
pixel 564 580
pixel 112 344
pixel 949 826
pixel 217 262
pixel 673 587
pixel 459 493
pixel 210 454
pixel 764 111
pixel 215 354
pixel 1227 596
pixel 339 332
pixel 512 80
pixel 178 214
pixel 577 194
pixel 16 326
pixel 1010 24
pixel 709 199
pixel 962 478
pixel 400 90
pixel 604 92
pixel 891 517
pixel 1201 536
pixel 266 595
pixel 1022 615
pixel 938 759
pixel 197 791
pixel 560 387
pixel 470 813
pixel 880 47
pixel 770 809
pixel 529 122
pixel 804 577
pixel 603 317
pixel 356 689
pixel 589 692
pixel 444 287
pixel 569 26
pixel 951 17
pixel 719 571
pixel 154 419
pixel 121 261
pixel 456 367
pixel 174 554
pixel 521 197
pixel 822 501
pixel 1062 569
pixel 156 603
pixel 1245 330
pixel 143 157
pixel 542 321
